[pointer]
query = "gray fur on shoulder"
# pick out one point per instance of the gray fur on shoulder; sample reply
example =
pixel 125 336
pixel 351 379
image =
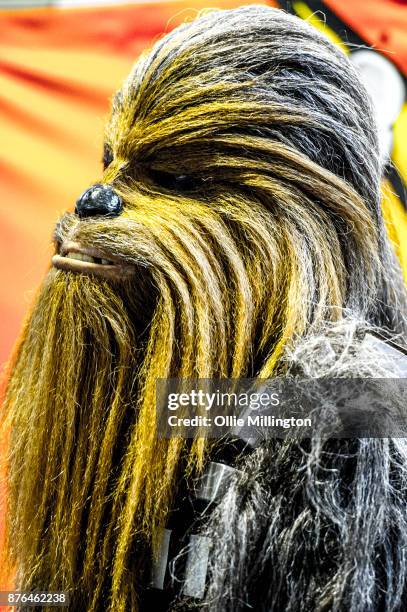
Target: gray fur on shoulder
pixel 316 525
pixel 347 349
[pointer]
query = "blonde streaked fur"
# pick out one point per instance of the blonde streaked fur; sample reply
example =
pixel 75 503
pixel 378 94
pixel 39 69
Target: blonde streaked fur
pixel 281 232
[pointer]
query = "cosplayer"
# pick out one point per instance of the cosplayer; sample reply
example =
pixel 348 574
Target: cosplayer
pixel 236 231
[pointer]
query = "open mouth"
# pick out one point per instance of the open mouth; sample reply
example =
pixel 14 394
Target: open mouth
pixel 86 260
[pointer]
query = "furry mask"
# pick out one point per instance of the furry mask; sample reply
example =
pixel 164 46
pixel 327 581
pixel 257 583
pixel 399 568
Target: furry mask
pixel 239 209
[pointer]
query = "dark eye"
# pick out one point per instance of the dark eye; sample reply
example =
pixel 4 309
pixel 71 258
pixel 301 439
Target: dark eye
pixel 184 182
pixel 107 156
pixel 174 182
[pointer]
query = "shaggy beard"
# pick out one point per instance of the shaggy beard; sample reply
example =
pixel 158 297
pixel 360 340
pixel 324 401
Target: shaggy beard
pixel 73 399
pixel 90 485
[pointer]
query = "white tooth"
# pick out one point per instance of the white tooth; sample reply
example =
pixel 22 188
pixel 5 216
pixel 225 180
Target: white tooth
pixel 80 256
pixel 105 262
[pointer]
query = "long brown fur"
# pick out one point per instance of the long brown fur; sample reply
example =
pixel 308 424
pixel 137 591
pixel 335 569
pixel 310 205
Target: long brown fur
pixel 273 241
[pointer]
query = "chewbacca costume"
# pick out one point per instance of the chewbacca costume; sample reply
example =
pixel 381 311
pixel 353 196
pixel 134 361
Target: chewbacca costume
pixel 236 232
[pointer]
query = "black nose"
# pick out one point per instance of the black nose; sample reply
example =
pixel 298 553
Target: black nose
pixel 99 200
